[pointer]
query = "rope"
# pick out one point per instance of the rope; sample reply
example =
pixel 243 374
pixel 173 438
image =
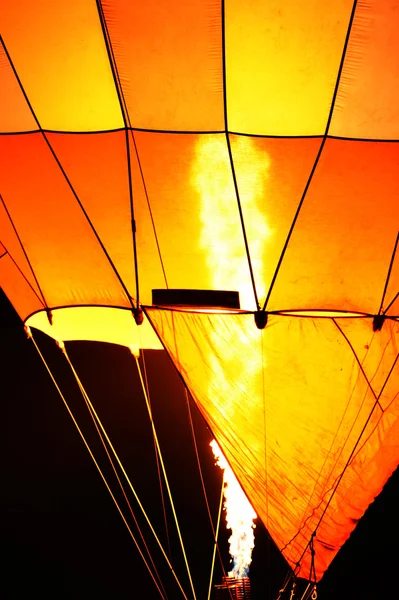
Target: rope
pixel 233 172
pixel 85 398
pixel 7 253
pixel 268 543
pixel 42 299
pixel 165 476
pixel 128 128
pixel 293 589
pixel 310 592
pixel 312 574
pixel 123 470
pixel 214 533
pixel 317 159
pixel 391 303
pixel 335 486
pixel 388 274
pixel 30 336
pixel 304 595
pixel 216 546
pixel 156 456
pixel 337 481
pixel 126 122
pixel 290 575
pixel 69 183
pixel 149 207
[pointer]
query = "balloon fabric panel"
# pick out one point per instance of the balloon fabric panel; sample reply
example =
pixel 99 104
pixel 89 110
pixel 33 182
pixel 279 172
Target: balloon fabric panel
pixel 291 439
pixel 51 224
pixel 62 62
pixel 168 56
pixel 273 88
pixel 201 141
pixel 368 97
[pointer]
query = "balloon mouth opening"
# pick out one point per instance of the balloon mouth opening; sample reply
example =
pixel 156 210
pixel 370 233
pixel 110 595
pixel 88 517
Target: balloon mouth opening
pixel 111 324
pixel 116 325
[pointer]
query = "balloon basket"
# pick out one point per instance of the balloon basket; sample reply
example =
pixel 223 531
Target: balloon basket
pixel 233 588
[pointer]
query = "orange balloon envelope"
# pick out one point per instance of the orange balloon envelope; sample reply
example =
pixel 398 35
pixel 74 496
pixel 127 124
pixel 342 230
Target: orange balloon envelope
pixel 247 146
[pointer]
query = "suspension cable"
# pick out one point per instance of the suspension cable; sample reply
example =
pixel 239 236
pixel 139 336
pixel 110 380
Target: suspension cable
pixel 305 593
pixel 112 463
pixel 165 475
pixel 30 336
pixel 288 578
pixel 214 533
pixel 216 546
pixel 156 456
pixel 310 592
pixel 124 472
pixel 388 274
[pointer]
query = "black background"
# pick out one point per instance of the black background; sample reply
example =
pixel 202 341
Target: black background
pixel 63 537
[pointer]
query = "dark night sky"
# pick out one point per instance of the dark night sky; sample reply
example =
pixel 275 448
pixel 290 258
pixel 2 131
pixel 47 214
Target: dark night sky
pixel 64 537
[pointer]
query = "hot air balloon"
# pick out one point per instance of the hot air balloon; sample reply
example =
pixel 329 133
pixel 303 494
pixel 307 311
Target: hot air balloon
pixel 221 180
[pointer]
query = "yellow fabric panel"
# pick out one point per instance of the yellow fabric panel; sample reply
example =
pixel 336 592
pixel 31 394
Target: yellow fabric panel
pixel 60 56
pixel 282 62
pixel 342 244
pixel 368 98
pixel 96 165
pixel 14 111
pixel 289 438
pixel 168 55
pixel 97 324
pixel 68 261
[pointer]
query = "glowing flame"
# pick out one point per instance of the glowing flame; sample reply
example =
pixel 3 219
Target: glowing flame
pixel 222 241
pixel 239 518
pixel 221 233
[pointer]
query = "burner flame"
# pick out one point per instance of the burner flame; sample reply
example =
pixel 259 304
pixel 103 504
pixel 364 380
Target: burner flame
pixel 239 518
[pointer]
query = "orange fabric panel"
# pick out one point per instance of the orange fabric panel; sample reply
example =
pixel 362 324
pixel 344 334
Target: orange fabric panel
pixel 13 246
pixel 177 168
pixel 17 289
pixel 282 62
pixel 342 244
pixel 196 217
pixel 60 56
pixel 194 207
pixel 289 404
pixel 289 438
pixel 372 464
pixel 368 98
pixel 96 165
pixel 15 114
pixel 271 176
pixel 393 287
pixel 68 261
pixel 375 350
pixel 168 55
pixel 394 308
